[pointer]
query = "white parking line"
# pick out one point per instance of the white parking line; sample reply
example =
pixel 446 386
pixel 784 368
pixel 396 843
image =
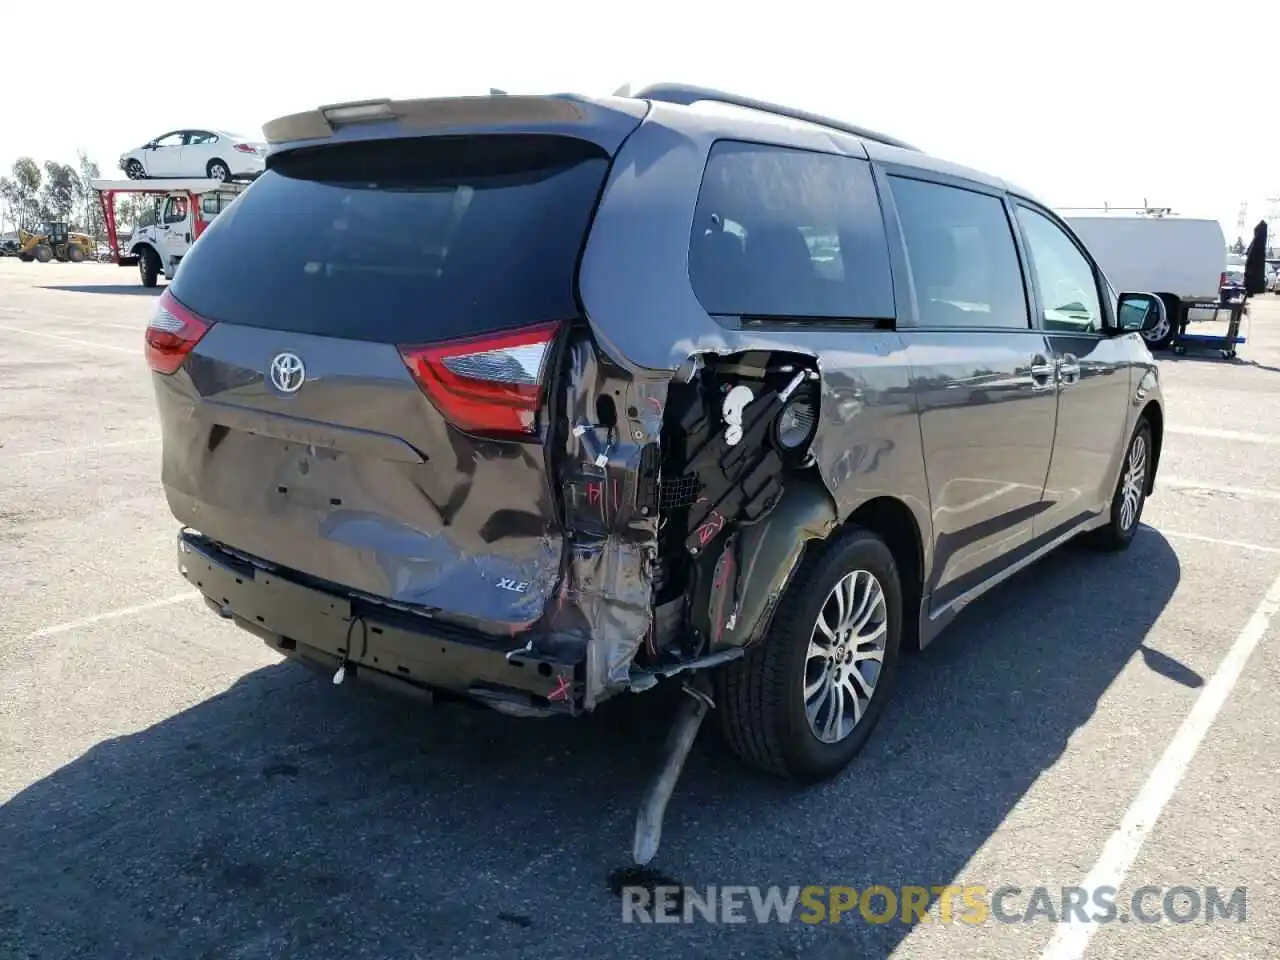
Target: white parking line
pixel 1249 493
pixel 1218 541
pixel 14 313
pixel 114 614
pixel 82 343
pixel 1071 939
pixel 81 448
pixel 1220 434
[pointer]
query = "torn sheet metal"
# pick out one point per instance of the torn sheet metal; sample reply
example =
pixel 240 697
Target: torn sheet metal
pixel 608 476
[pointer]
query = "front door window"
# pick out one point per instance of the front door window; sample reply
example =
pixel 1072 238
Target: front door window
pixel 1068 286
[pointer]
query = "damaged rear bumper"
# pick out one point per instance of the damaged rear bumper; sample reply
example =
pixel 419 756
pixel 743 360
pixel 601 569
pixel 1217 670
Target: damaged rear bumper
pixel 402 651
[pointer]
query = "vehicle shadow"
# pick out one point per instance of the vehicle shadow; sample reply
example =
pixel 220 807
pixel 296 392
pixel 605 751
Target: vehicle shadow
pixel 1209 355
pixel 289 817
pixel 131 289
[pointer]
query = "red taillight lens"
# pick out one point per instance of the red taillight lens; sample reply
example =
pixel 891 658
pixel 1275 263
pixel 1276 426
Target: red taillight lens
pixel 246 148
pixel 172 334
pixel 1222 280
pixel 489 385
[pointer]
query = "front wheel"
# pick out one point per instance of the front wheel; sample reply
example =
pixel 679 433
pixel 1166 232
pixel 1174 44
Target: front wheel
pixel 148 267
pixel 1131 493
pixel 804 699
pixel 133 170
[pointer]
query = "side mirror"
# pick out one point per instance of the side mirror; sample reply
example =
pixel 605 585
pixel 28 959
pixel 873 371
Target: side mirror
pixel 1139 312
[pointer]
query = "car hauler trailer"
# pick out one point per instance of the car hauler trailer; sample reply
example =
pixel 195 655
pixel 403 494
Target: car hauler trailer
pixel 183 210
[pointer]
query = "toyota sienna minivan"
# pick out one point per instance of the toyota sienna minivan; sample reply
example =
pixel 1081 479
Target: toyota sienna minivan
pixel 537 400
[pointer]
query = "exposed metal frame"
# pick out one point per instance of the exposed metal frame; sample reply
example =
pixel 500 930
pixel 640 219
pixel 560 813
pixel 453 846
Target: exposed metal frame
pixel 687 95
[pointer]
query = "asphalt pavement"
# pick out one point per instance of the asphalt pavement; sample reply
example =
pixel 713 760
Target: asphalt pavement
pixel 170 788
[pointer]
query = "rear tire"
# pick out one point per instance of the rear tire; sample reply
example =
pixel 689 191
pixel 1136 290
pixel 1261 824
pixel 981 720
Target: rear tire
pixel 762 697
pixel 1161 337
pixel 75 255
pixel 148 267
pixel 1130 494
pixel 218 170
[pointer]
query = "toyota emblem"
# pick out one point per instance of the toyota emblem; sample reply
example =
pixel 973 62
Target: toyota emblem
pixel 287 372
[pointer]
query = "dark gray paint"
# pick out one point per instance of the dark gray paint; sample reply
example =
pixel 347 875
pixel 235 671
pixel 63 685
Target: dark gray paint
pixel 979 501
pixel 952 425
pixel 1091 435
pixel 987 430
pixel 425 517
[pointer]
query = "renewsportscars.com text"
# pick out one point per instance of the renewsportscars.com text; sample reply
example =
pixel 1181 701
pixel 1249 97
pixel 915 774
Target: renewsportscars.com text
pixel 970 904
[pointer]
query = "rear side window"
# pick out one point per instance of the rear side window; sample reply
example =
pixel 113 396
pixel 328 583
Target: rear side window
pixel 964 265
pixel 789 233
pixel 402 241
pixel 212 204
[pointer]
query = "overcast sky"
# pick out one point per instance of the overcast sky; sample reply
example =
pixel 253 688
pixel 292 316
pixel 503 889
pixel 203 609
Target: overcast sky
pixel 1080 102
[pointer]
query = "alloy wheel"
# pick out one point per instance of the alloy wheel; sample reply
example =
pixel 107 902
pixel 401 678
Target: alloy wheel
pixel 1134 483
pixel 1157 333
pixel 845 656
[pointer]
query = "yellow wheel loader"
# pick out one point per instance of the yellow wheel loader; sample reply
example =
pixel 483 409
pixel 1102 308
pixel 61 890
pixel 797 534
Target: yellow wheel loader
pixel 54 242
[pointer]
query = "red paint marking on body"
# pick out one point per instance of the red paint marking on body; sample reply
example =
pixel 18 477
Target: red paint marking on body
pixel 561 692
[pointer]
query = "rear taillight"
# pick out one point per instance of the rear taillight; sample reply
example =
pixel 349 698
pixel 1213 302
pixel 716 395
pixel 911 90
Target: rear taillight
pixel 246 148
pixel 489 385
pixel 172 334
pixel 1222 279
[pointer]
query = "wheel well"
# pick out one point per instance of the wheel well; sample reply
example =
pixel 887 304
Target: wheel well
pixel 1172 306
pixel 1154 416
pixel 893 521
pixel 217 160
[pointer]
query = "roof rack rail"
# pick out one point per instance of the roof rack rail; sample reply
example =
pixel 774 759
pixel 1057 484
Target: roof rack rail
pixel 686 95
pixel 1107 208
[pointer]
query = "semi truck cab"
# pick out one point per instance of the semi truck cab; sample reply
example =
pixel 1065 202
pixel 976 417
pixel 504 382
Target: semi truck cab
pixel 183 209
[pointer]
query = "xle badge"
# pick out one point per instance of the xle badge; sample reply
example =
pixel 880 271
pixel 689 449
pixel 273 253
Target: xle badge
pixel 513 586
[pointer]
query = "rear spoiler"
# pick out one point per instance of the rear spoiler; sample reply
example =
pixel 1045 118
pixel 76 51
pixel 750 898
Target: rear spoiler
pixel 606 121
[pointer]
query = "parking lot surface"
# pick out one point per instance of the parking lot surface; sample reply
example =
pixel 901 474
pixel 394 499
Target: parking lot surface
pixel 170 788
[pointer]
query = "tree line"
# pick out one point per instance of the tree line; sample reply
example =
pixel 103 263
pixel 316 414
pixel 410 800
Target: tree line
pixel 34 194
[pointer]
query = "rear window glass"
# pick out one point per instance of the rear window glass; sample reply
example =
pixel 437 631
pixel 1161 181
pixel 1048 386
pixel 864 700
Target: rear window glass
pixel 402 240
pixel 780 232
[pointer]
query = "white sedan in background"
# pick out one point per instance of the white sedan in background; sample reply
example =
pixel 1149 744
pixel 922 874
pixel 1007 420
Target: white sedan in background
pixel 215 154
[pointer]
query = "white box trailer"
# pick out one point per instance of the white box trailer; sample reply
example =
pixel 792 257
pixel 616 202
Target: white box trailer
pixel 1180 258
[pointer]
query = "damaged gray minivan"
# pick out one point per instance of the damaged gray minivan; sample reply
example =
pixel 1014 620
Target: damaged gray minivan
pixel 541 399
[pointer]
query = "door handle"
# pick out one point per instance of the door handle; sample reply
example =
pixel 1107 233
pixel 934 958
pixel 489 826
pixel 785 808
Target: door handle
pixel 1042 373
pixel 1069 369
